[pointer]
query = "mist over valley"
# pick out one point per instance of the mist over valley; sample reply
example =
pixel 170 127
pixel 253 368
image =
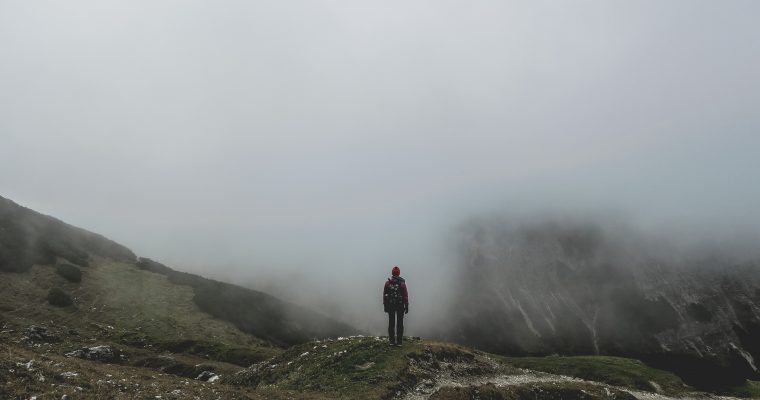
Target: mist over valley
pixel 206 200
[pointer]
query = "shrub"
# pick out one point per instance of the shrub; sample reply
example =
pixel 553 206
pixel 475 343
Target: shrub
pixel 58 297
pixel 70 272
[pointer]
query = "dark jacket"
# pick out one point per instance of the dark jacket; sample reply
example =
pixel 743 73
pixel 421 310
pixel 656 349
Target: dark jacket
pixel 402 285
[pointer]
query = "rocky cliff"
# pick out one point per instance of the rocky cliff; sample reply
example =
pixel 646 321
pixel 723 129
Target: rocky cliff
pixel 576 288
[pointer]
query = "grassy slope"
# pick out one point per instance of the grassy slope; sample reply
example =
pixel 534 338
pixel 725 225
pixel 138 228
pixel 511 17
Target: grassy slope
pixel 29 238
pixel 623 372
pixel 135 303
pixel 367 366
pixel 537 391
pixel 162 331
pixel 345 368
pixel 616 371
pixel 148 303
pixel 164 334
pixel 152 321
pixel 750 389
pixel 96 380
pixel 251 311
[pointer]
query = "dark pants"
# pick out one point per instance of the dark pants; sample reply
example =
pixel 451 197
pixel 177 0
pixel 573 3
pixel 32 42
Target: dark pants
pixel 395 325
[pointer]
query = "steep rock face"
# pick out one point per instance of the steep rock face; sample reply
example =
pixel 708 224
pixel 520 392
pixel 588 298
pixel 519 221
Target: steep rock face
pixel 553 288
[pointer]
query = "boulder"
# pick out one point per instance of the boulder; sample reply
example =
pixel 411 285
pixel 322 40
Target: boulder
pixel 206 376
pixel 97 353
pixel 40 334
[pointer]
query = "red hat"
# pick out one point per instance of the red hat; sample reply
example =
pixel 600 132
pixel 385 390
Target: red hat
pixel 396 271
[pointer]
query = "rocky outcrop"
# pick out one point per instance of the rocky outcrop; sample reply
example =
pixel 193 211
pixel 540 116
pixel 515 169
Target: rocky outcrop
pixel 578 289
pixel 40 334
pixel 98 353
pixel 207 376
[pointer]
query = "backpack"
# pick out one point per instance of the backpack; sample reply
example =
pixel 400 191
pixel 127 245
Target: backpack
pixel 394 295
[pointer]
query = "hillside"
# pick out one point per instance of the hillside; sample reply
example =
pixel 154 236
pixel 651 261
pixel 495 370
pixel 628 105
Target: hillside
pixel 340 368
pixel 29 238
pixel 91 321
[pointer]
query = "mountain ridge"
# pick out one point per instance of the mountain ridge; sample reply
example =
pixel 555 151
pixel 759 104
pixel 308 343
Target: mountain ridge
pixel 575 288
pixel 137 329
pixel 29 238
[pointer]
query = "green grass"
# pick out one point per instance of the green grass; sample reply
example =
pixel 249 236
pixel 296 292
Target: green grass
pixel 169 339
pixel 534 391
pixel 616 371
pixel 364 366
pixel 136 311
pixel 750 389
pixel 147 303
pixel 96 380
pixel 238 355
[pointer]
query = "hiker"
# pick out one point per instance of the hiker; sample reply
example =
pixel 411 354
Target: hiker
pixel 396 304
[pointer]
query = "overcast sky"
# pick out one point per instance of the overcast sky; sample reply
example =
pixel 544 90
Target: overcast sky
pixel 326 141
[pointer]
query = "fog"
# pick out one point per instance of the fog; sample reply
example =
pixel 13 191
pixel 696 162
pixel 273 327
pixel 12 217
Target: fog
pixel 305 147
pixel 596 284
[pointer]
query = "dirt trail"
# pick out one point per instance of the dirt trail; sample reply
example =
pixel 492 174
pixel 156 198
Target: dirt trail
pixel 425 389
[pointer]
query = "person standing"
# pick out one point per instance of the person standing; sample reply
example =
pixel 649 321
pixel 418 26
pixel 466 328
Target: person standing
pixel 396 304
